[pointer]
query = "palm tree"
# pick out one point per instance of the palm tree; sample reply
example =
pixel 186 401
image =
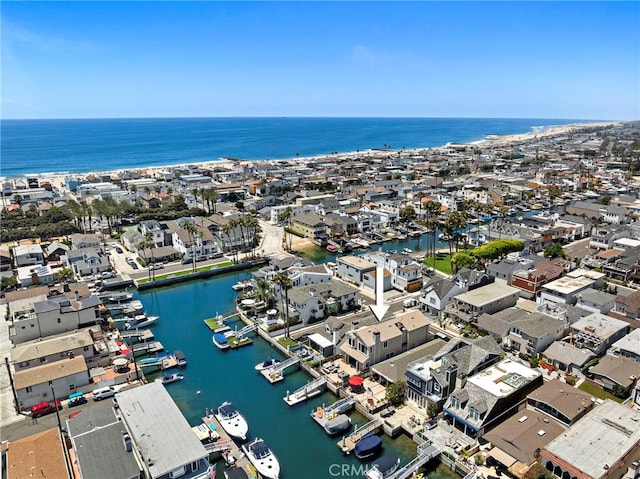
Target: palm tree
pixel 283 280
pixel 190 228
pixel 503 212
pixel 143 245
pixel 148 238
pixel 265 292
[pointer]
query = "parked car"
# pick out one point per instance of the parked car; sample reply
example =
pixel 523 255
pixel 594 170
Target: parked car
pixel 157 266
pixel 76 399
pixel 119 250
pixel 103 393
pixel 44 408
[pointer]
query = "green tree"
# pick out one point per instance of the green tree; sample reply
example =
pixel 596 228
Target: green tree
pixel 64 274
pixel 554 251
pixel 282 279
pixel 394 393
pixel 463 260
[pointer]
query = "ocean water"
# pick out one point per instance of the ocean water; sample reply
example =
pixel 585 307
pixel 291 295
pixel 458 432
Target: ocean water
pixel 56 146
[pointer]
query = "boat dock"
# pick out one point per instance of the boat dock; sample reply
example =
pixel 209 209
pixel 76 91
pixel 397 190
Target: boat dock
pixel 348 443
pixel 426 452
pixel 156 364
pixel 276 373
pixel 138 335
pixel 148 347
pixel 309 390
pixel 337 407
pixel 229 450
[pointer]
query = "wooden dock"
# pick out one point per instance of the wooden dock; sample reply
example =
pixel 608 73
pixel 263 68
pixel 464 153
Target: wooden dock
pixel 348 443
pixel 231 453
pixel 276 373
pixel 309 390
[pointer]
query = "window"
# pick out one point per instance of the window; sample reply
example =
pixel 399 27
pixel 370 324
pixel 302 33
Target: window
pixel 194 466
pixel 181 471
pixel 455 403
pixel 385 344
pixel 29 389
pixel 86 348
pixel 72 387
pixel 42 360
pixel 59 321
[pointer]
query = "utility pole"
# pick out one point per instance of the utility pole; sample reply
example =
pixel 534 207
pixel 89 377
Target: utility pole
pixel 13 388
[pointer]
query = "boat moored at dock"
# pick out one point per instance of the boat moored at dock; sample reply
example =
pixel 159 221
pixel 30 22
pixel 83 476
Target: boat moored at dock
pixel 266 364
pixel 220 340
pixel 368 446
pixel 263 459
pixel 232 421
pixel 140 321
pixel 180 357
pixel 171 378
pixel 383 467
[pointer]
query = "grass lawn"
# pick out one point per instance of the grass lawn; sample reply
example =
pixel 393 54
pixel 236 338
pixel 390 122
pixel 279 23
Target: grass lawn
pixel 213 324
pixel 287 342
pixel 442 262
pixel 596 391
pixel 224 265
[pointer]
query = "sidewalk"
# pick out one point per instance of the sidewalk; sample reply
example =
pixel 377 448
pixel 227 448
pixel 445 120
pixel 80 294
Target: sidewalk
pixel 8 413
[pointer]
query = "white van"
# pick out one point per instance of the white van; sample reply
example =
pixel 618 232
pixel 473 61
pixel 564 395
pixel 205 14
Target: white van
pixel 103 393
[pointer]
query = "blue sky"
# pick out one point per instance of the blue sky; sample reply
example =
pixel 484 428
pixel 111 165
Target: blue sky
pixel 383 59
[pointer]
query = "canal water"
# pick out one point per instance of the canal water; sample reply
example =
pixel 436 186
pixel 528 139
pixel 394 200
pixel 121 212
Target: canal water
pixel 213 376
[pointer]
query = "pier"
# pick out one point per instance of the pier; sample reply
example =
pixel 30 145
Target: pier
pixel 348 443
pixel 426 452
pixel 148 347
pixel 309 390
pixel 138 335
pixel 231 453
pixel 276 373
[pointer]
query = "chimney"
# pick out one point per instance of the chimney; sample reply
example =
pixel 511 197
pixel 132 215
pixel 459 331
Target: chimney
pixel 126 439
pixel 76 295
pixel 451 375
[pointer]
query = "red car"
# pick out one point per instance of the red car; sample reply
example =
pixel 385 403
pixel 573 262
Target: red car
pixel 45 408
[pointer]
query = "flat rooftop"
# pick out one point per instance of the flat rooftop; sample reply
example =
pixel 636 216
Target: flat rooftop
pixel 487 294
pixel 504 378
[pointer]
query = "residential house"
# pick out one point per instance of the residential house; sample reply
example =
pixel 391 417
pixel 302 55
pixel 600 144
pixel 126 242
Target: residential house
pixel 317 301
pixel 42 453
pixel 310 225
pixel 28 255
pixel 490 397
pixel 557 399
pixel 33 385
pixel 132 239
pixel 430 379
pixel 603 237
pixel 467 307
pixel 530 281
pixel 615 373
pixel 438 292
pixel 353 268
pixel 627 346
pixel 595 301
pixel 86 261
pixel 608 445
pixel 81 240
pixel 628 306
pixel 53 316
pixel 504 270
pixel 55 251
pixel 567 357
pixel 102 445
pixel 156 231
pixel 147 413
pixel 406 274
pixel 200 244
pixel 308 275
pixel 597 332
pixel 30 275
pixel 567 288
pixel 395 368
pixel 368 345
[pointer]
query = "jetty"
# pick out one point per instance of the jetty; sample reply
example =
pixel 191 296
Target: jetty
pixel 276 373
pixel 309 390
pixel 348 443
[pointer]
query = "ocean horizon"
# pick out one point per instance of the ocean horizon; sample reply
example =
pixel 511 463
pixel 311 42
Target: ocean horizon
pixel 70 146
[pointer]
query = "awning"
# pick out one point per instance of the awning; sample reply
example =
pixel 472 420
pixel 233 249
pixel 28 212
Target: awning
pixel 272 312
pixel 356 381
pixel 320 340
pixel 248 302
pixel 120 362
pixel 502 457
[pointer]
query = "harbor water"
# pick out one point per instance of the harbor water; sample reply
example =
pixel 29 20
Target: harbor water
pixel 214 376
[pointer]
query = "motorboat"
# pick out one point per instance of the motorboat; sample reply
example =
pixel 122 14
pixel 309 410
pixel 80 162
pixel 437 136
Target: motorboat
pixel 383 467
pixel 337 424
pixel 368 446
pixel 266 364
pixel 136 305
pixel 180 357
pixel 241 285
pixel 220 340
pixel 232 421
pixel 140 321
pixel 120 297
pixel 262 459
pixel 407 251
pixel 171 378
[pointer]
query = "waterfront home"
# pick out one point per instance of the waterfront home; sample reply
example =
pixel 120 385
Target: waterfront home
pixel 33 385
pixel 490 396
pixel 608 445
pixel 310 225
pixel 148 412
pixel 431 378
pixel 627 346
pixel 567 288
pixel 368 345
pixel 353 268
pixel 132 239
pixel 317 301
pixel 43 452
pixel 395 368
pixel 86 261
pixel 567 357
pixel 156 229
pixel 615 373
pixel 525 333
pixel 102 446
pixel 494 297
pixel 54 315
pixel 603 237
pixel 597 332
pixel 28 255
pixel 308 275
pixel 200 244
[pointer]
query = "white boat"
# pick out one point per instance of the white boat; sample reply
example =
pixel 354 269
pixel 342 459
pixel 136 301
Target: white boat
pixel 262 459
pixel 241 285
pixel 407 250
pixel 232 421
pixel 136 305
pixel 140 321
pixel 266 364
pixel 170 378
pixel 119 297
pixel 220 340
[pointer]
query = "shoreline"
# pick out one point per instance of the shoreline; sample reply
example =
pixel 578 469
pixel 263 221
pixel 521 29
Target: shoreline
pixel 539 132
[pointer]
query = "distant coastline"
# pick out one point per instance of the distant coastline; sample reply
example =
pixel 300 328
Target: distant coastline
pixel 55 148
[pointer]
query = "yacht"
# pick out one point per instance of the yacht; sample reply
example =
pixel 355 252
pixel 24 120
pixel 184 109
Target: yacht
pixel 140 321
pixel 232 421
pixel 220 340
pixel 241 285
pixel 262 459
pixel 170 378
pixel 266 364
